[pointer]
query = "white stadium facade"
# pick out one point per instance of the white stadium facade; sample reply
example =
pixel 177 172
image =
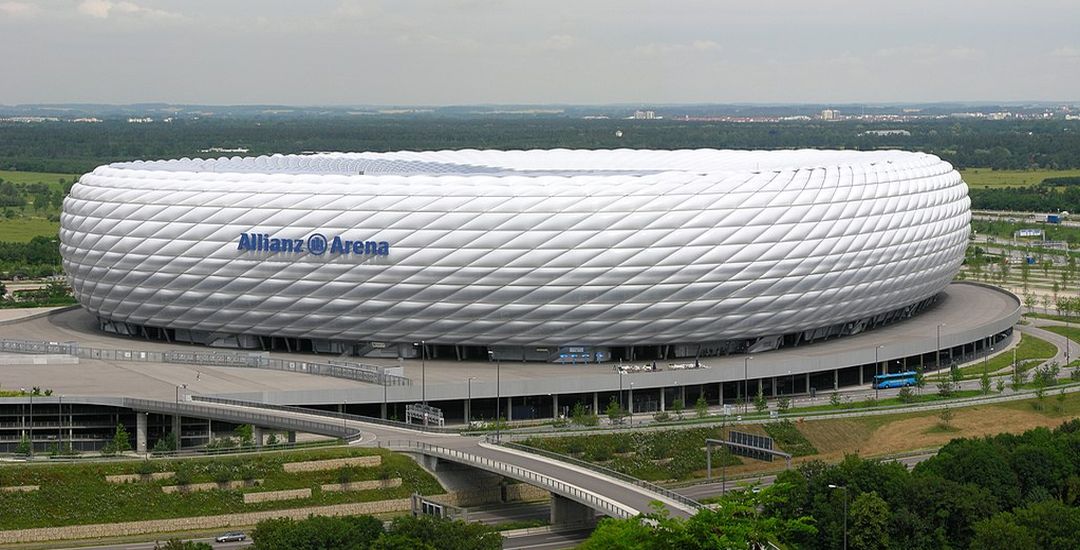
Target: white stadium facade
pixel 542 255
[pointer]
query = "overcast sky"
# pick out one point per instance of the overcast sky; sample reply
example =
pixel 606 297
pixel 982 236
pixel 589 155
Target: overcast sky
pixel 313 52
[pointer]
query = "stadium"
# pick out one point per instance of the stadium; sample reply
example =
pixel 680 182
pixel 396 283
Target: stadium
pixel 543 255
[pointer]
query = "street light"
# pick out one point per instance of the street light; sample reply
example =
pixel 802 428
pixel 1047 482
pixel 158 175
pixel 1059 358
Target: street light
pixel 179 423
pixel 877 369
pixel 498 395
pixel 746 383
pixel 845 489
pixel 939 345
pixel 423 371
pixel 60 429
pixel 468 406
pixel 631 404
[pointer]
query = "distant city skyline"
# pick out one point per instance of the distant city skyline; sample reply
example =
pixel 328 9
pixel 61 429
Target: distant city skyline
pixel 467 52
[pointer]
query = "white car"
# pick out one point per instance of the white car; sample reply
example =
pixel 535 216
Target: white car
pixel 235 536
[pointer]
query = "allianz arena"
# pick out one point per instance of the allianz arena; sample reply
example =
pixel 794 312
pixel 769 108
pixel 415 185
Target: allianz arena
pixel 547 255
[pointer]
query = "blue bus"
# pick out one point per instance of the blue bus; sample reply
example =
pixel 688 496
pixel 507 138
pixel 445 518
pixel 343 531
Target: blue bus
pixel 895 380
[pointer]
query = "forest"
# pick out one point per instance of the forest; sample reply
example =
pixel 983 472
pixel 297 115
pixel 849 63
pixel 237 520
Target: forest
pixel 67 147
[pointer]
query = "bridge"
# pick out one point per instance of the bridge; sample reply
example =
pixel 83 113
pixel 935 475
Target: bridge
pixel 578 490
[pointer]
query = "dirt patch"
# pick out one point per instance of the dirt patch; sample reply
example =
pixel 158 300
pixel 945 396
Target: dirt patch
pixel 914 433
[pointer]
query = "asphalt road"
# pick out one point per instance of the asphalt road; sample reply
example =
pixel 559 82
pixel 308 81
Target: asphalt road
pixel 149 545
pixel 548 541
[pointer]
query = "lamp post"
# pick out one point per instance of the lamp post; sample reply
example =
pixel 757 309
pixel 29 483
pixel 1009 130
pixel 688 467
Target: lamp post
pixel 386 413
pixel 179 423
pixel 845 489
pixel 468 405
pixel 631 404
pixel 423 371
pixel 621 405
pixel 877 369
pixel 746 383
pixel 31 424
pixel 60 428
pixel 498 395
pixel 939 345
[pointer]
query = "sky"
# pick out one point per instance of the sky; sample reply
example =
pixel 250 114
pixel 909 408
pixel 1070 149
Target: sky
pixel 454 52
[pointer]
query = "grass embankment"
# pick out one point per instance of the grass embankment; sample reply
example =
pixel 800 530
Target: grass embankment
pixel 1030 348
pixel 927 396
pixel 74 494
pixel 985 177
pixel 52 179
pixel 831 439
pixel 674 454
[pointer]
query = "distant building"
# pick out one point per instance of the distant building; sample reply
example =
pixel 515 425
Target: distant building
pixel 644 115
pixel 830 114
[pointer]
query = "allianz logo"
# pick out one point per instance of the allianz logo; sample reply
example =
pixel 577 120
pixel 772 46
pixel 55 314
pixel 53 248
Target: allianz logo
pixel 316 244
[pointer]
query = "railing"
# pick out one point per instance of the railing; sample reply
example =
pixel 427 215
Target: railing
pixel 359 372
pixel 693 504
pixel 330 414
pixel 604 505
pixel 243 417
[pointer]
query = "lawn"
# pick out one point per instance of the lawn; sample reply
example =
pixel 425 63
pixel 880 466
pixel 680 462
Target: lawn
pixel 50 178
pixel 825 438
pixel 985 177
pixel 74 494
pixel 22 229
pixel 1072 333
pixel 928 395
pixel 1030 348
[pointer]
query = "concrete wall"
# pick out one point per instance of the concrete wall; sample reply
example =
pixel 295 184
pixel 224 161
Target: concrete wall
pixel 196 523
pixel 333 464
pixel 268 496
pixel 363 485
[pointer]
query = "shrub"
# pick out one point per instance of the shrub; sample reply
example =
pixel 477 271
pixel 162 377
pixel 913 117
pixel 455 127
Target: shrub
pixel 701 407
pixel 906 395
pixel 23 448
pixel 662 416
pixel 834 399
pixel 145 467
pixel 789 438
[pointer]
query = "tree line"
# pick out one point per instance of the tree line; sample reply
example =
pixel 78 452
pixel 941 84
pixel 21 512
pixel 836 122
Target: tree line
pixel 1020 492
pixel 75 148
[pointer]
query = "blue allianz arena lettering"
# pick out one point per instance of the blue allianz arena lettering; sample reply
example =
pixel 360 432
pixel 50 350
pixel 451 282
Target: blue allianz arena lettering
pixel 262 242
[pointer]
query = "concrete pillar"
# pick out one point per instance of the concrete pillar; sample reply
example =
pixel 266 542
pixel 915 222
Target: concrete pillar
pixel 836 379
pixel 509 409
pixel 257 435
pixel 663 397
pixel 468 412
pixel 720 392
pixel 554 405
pixel 682 395
pixel 291 437
pixel 862 369
pixel 807 390
pixel 596 402
pixel 774 386
pixel 566 511
pixel 140 432
pixel 382 410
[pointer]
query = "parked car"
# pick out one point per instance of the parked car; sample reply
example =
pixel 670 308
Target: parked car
pixel 234 536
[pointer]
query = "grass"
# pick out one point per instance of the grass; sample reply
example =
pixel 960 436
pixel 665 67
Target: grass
pixel 52 179
pixel 833 438
pixel 74 494
pixel 22 229
pixel 928 395
pixel 1072 333
pixel 789 438
pixel 1030 348
pixel 985 177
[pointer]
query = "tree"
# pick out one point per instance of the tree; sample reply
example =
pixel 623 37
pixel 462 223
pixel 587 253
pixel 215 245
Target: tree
pixel 701 407
pixel 1000 385
pixel 783 404
pixel 945 389
pixel 946 416
pixel 834 399
pixel 245 433
pixel 906 395
pixel 678 406
pixel 23 448
pixel 760 405
pixel 1017 379
pixel 920 379
pixel 984 382
pixel 614 412
pixel 121 442
pixel 869 522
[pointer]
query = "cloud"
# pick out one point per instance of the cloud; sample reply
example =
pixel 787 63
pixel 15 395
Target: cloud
pixel 18 9
pixel 657 48
pixel 1067 52
pixel 102 9
pixel 559 42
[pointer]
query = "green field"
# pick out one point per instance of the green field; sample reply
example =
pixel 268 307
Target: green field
pixel 21 230
pixel 73 494
pixel 985 177
pixel 52 179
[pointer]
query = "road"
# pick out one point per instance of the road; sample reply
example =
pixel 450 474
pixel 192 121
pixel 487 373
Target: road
pixel 149 545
